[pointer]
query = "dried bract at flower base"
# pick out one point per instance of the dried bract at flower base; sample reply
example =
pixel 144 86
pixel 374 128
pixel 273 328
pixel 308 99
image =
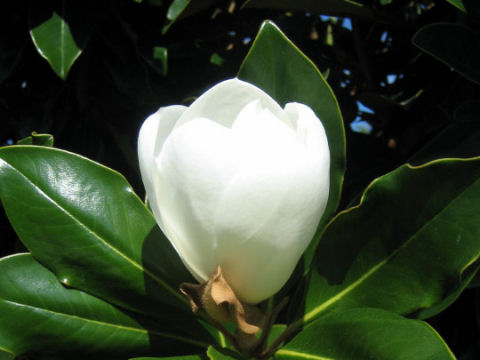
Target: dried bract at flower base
pixel 219 301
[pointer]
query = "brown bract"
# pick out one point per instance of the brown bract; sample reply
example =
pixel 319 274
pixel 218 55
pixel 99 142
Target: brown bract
pixel 218 301
pixel 221 303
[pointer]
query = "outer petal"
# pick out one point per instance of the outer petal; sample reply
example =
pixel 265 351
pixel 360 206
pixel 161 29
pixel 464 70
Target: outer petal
pixel 310 131
pixel 258 124
pixel 223 102
pixel 191 172
pixel 153 133
pixel 272 206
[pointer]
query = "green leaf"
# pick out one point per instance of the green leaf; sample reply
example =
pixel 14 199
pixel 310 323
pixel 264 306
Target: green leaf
pixel 471 7
pixel 4 355
pixel 458 4
pixel 42 318
pixel 410 246
pixel 185 357
pixel 455 45
pixel 475 282
pixel 84 222
pixel 161 54
pixel 301 83
pixel 214 353
pixel 276 331
pixel 37 139
pixel 324 7
pixel 60 34
pixel 364 334
pixel 180 9
pixel 216 59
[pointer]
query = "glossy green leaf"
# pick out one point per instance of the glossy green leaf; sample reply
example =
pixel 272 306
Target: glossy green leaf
pixel 365 334
pixel 37 139
pixel 60 34
pixel 325 7
pixel 42 318
pixel 180 9
pixel 301 83
pixel 458 4
pixel 455 45
pixel 410 246
pixel 84 222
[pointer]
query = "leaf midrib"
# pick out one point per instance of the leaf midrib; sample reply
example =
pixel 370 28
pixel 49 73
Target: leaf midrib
pixel 302 355
pixel 105 324
pixel 309 316
pixel 8 351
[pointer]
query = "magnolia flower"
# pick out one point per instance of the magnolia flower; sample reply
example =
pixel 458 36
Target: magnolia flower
pixel 234 180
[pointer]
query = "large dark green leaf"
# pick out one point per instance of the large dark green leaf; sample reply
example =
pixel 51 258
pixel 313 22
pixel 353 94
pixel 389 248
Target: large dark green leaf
pixel 269 66
pixel 60 33
pixel 365 334
pixel 455 45
pixel 84 222
pixel 410 247
pixel 330 7
pixel 42 318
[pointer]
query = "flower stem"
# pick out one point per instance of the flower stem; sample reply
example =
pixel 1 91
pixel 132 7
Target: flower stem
pixel 269 323
pixel 291 329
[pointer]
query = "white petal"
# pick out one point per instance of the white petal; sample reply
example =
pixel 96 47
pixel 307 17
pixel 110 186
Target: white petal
pixel 191 173
pixel 259 124
pixel 223 102
pixel 266 219
pixel 309 129
pixel 272 206
pixel 153 133
pixel 311 133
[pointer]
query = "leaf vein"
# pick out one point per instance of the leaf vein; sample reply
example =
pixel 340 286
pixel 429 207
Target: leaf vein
pixel 105 324
pixel 297 354
pixel 319 309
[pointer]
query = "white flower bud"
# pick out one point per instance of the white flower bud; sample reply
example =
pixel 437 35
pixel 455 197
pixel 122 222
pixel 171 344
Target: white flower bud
pixel 235 180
